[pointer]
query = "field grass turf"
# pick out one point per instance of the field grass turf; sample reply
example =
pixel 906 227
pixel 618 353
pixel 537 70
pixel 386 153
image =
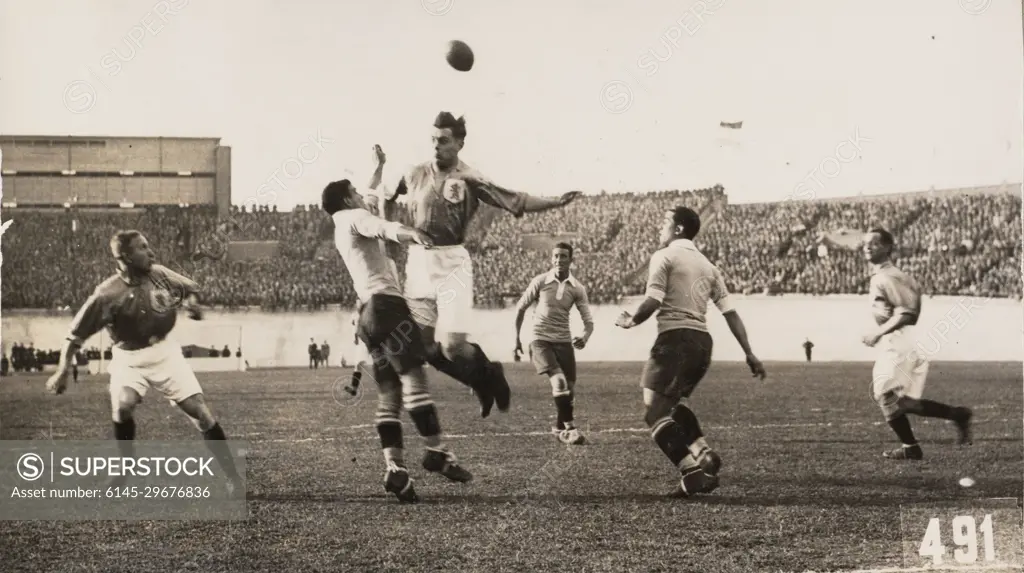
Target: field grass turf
pixel 803 485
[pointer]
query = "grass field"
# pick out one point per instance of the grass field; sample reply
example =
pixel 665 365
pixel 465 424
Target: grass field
pixel 803 485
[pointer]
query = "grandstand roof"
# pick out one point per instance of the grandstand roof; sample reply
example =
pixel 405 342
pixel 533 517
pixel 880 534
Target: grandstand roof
pixel 69 138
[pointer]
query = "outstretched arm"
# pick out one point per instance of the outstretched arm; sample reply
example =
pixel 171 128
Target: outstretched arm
pixel 536 204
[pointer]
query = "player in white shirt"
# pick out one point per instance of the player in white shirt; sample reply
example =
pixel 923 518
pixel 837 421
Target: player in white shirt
pixel 900 370
pixel 391 335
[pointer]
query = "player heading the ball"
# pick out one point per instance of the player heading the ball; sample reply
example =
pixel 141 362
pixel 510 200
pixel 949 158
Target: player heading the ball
pixel 442 197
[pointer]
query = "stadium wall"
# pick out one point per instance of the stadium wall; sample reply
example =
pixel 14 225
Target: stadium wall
pixel 952 329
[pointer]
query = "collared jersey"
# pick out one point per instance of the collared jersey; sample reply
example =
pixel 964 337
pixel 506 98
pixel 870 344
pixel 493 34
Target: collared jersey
pixel 683 280
pixel 892 292
pixel 442 203
pixel 137 311
pixel 554 300
pixel 357 236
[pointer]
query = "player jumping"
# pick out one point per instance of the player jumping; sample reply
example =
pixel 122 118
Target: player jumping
pixel 552 349
pixel 443 195
pixel 388 330
pixel 679 284
pixel 900 370
pixel 138 306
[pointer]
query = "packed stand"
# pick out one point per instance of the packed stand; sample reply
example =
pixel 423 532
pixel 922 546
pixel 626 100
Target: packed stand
pixel 954 244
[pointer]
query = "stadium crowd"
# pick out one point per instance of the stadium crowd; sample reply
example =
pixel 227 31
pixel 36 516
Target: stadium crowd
pixel 955 244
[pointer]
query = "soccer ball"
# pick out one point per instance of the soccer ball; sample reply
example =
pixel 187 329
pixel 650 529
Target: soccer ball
pixel 459 56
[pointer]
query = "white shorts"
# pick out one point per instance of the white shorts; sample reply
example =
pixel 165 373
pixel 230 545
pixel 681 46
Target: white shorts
pixel 439 287
pixel 162 367
pixel 900 367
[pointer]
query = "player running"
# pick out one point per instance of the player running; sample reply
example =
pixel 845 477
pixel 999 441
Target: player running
pixel 900 370
pixel 443 195
pixel 138 306
pixel 552 349
pixel 679 284
pixel 388 330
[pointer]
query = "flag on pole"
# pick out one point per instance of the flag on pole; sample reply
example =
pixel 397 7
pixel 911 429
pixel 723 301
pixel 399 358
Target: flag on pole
pixel 730 125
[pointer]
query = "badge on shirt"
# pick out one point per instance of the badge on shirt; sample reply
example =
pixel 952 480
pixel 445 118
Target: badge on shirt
pixel 454 190
pixel 161 301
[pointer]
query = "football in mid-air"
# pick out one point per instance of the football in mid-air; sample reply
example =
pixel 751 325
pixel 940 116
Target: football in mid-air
pixel 459 56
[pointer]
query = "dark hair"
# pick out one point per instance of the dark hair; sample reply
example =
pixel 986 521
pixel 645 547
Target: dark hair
pixel 445 120
pixel 121 240
pixel 884 235
pixel 335 196
pixel 565 246
pixel 688 219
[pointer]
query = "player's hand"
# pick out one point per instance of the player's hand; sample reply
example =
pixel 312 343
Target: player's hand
pixel 421 238
pixel 579 343
pixel 378 155
pixel 569 197
pixel 756 368
pixel 870 339
pixel 625 320
pixel 58 382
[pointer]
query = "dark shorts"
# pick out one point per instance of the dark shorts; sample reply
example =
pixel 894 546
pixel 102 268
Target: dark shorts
pixel 679 360
pixel 391 335
pixel 553 357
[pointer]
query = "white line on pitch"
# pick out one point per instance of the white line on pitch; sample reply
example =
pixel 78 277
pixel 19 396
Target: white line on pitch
pixel 605 431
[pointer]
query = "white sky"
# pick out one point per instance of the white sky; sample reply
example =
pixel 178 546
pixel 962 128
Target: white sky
pixel 803 75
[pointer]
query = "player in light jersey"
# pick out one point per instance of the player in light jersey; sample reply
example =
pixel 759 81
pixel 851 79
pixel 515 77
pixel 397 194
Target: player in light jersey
pixel 373 203
pixel 900 370
pixel 138 306
pixel 680 283
pixel 391 335
pixel 553 347
pixel 443 195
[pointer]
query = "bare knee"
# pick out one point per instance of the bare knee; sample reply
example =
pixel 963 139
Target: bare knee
pixel 559 385
pixel 196 408
pixel 125 405
pixel 658 407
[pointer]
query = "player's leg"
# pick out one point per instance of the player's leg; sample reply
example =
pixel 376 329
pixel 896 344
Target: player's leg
pixel 886 390
pixel 394 339
pixel 455 313
pixel 389 429
pixel 695 349
pixel 173 377
pixel 548 363
pixel 661 396
pixel 127 388
pixel 425 312
pixel 363 363
pixel 914 372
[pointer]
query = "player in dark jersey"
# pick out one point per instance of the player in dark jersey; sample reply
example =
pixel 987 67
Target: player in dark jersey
pixel 138 306
pixel 443 195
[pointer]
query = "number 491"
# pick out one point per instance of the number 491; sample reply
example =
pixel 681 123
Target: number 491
pixel 964 534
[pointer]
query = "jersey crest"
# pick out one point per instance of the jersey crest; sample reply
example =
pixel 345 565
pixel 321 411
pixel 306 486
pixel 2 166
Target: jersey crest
pixel 161 301
pixel 454 190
